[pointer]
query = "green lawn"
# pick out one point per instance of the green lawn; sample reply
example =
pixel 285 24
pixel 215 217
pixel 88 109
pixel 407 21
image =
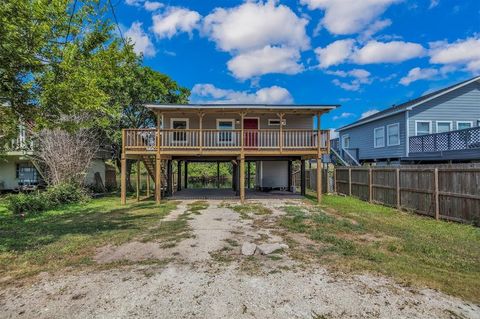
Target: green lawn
pixel 353 235
pixel 68 236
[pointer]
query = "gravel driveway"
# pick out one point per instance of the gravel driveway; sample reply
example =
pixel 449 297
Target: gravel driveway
pixel 205 276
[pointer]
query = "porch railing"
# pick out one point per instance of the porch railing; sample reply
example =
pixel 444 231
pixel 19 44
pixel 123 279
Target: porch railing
pixel 289 139
pixel 466 139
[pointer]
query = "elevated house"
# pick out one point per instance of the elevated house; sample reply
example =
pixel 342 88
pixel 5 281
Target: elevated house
pixel 442 126
pixel 272 136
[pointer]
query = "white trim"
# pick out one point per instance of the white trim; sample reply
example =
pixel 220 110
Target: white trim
pixel 423 121
pixel 375 137
pixel 463 122
pixel 232 135
pixel 439 122
pixel 407 133
pixel 341 141
pixel 387 136
pixel 411 106
pixel 173 119
pixel 277 119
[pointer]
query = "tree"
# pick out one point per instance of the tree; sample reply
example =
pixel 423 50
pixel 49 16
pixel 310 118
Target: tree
pixel 59 58
pixel 143 85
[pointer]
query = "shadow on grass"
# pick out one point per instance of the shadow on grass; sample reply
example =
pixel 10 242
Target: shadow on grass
pixel 94 218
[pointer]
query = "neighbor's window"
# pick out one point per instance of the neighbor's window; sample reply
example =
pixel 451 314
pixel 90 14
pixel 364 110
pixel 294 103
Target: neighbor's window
pixel 179 124
pixel 225 125
pixel 276 122
pixel 26 174
pixel 444 126
pixel 423 128
pixel 345 141
pixel 462 125
pixel 393 134
pixel 379 136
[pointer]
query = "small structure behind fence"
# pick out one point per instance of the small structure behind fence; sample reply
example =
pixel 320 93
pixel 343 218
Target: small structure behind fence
pixel 451 193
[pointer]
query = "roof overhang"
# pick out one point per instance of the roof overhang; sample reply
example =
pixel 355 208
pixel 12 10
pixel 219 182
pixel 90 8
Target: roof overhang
pixel 289 108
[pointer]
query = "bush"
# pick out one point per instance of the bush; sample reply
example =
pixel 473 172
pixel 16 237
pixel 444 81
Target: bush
pixel 33 203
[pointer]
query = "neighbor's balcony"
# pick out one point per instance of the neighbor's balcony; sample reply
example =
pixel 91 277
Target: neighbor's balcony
pixel 231 140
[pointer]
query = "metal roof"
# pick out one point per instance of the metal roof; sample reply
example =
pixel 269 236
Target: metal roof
pixel 409 104
pixel 292 107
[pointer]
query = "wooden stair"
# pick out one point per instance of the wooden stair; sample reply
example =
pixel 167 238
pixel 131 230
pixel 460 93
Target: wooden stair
pixel 149 162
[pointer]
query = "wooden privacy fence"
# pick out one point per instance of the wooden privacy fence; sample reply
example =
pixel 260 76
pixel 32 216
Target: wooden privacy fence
pixel 311 180
pixel 442 193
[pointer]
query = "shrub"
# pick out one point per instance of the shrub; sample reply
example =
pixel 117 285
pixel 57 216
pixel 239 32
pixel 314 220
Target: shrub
pixel 33 203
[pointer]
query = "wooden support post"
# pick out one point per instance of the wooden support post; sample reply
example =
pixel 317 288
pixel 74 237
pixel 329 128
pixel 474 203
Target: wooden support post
pixel 436 194
pixel 370 185
pixel 249 174
pixel 302 178
pixel 349 181
pixel 185 182
pixel 179 176
pixel 334 180
pixel 242 179
pixel 235 178
pixel 319 180
pixel 158 179
pixel 289 169
pixel 138 180
pixel 218 174
pixel 169 178
pixel 200 115
pixel 123 181
pixel 242 133
pixel 397 179
pixel 280 115
pixel 148 184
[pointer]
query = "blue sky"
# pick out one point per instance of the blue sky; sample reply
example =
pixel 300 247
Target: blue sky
pixel 365 55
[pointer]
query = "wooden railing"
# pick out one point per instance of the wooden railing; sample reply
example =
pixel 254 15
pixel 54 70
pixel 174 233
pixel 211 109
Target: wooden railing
pixel 288 139
pixel 466 139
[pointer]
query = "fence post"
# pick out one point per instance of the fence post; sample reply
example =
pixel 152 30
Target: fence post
pixel 334 180
pixel 349 181
pixel 436 197
pixel 397 179
pixel 370 187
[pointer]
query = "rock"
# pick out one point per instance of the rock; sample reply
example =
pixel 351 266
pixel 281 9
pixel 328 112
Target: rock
pixel 248 249
pixel 266 249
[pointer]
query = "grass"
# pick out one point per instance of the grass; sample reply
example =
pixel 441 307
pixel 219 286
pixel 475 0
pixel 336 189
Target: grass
pixel 246 210
pixel 197 206
pixel 355 236
pixel 68 236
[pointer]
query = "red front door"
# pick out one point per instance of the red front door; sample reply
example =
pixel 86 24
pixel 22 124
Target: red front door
pixel 251 132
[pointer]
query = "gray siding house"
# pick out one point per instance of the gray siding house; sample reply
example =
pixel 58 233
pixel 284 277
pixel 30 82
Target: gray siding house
pixel 441 126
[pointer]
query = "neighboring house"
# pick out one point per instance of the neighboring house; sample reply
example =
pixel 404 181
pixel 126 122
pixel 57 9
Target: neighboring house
pixel 17 171
pixel 272 136
pixel 440 126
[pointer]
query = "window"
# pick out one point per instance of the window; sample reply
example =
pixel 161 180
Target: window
pixel 444 126
pixel 423 127
pixel 462 125
pixel 26 174
pixel 393 134
pixel 179 124
pixel 345 141
pixel 225 125
pixel 379 137
pixel 276 122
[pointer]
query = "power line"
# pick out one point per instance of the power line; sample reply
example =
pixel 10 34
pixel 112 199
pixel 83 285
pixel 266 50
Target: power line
pixel 116 22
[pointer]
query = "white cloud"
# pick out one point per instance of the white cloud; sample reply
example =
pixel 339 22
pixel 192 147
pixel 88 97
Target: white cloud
pixel 417 73
pixel 335 53
pixel 251 26
pixel 344 115
pixel 368 113
pixel 463 53
pixel 374 28
pixel 133 2
pixel 142 43
pixel 175 20
pixel 152 5
pixel 349 16
pixel 342 51
pixel 433 4
pixel 202 93
pixel 359 77
pixel 266 60
pixel 387 52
